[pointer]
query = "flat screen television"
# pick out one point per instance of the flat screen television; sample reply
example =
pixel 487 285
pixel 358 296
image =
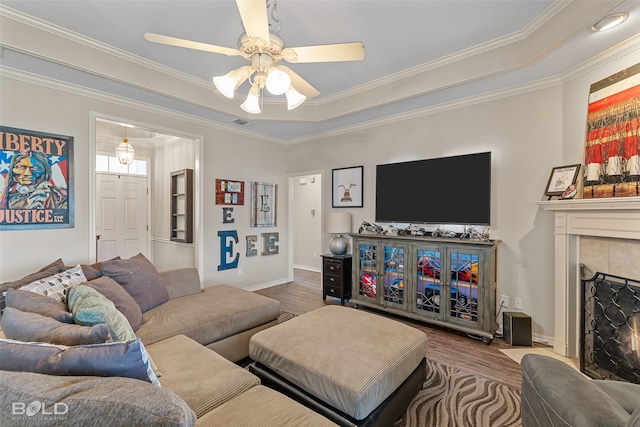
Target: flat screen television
pixel 446 190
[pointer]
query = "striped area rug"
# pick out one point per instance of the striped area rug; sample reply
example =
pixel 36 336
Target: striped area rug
pixel 454 398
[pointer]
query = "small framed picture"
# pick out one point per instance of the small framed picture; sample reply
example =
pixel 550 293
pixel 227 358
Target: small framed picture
pixel 561 178
pixel 346 189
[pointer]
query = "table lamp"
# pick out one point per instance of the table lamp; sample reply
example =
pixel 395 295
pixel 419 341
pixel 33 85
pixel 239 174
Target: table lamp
pixel 338 223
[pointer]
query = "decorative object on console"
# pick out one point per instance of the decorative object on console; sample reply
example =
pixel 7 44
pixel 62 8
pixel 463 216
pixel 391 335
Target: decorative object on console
pixel 338 223
pixel 613 138
pixel 560 179
pixel 371 227
pixel 346 188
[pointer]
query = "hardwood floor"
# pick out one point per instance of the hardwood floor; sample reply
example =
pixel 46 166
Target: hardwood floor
pixel 446 346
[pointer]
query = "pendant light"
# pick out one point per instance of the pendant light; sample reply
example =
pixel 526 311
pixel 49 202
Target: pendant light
pixel 124 150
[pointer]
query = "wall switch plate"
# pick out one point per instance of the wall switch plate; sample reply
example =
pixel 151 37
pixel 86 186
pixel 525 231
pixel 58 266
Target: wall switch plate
pixel 504 301
pixel 517 303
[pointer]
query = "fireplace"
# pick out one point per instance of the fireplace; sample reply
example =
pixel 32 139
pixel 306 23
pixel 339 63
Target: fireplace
pixel 610 328
pixel 612 218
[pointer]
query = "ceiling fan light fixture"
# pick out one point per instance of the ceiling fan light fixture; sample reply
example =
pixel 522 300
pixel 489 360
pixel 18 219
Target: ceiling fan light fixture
pixel 609 22
pixel 252 103
pixel 294 98
pixel 277 81
pixel 228 83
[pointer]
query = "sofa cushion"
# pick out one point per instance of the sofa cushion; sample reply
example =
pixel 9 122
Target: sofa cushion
pixel 203 378
pixel 120 298
pixel 37 303
pixel 123 359
pixel 268 408
pixel 56 286
pixel 555 394
pixel 208 316
pixel 48 270
pixel 25 326
pixel 90 307
pixel 140 278
pixel 626 394
pixel 93 271
pixel 93 401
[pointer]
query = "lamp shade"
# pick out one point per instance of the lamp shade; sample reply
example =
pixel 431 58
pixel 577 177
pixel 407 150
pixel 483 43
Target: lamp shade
pixel 338 222
pixel 294 98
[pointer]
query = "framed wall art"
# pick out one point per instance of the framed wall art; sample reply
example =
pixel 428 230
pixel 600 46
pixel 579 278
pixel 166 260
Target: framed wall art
pixel 264 204
pixel 346 187
pixel 561 178
pixel 229 192
pixel 36 180
pixel 612 151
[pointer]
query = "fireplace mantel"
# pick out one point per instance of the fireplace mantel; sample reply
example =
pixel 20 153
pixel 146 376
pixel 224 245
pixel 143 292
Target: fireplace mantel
pixel 610 217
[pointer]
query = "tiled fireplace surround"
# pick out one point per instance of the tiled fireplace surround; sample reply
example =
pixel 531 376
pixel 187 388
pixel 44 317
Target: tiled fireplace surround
pixel 601 234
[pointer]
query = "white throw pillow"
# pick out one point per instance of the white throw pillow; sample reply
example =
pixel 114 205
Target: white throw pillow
pixel 55 286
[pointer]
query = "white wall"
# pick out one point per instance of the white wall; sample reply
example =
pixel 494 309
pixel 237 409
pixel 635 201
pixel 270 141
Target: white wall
pixel 45 106
pixel 174 154
pixel 524 135
pixel 528 134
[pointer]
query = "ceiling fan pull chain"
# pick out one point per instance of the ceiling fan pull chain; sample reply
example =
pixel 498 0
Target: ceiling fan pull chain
pixel 274 16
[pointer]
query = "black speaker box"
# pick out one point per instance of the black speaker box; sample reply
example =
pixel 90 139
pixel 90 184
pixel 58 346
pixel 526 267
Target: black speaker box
pixel 516 328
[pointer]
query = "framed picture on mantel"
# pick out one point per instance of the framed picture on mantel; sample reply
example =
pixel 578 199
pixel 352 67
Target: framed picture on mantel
pixel 561 178
pixel 346 189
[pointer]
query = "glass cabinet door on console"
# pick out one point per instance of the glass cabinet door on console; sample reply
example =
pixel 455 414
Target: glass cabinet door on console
pixel 366 263
pixel 465 276
pixel 393 272
pixel 428 282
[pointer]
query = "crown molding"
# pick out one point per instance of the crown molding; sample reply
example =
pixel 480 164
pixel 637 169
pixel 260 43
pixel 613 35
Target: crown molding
pixel 556 24
pixel 53 84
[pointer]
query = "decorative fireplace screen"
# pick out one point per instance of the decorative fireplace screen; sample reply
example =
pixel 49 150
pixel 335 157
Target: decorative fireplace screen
pixel 610 328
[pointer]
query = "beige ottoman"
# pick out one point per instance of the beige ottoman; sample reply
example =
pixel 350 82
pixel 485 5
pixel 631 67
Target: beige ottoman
pixel 354 367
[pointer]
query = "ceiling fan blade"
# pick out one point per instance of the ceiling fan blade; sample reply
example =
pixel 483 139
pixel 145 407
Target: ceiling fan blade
pixel 173 41
pixel 254 18
pixel 300 84
pixel 325 53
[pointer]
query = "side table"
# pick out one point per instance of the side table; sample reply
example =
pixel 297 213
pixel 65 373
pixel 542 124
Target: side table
pixel 336 277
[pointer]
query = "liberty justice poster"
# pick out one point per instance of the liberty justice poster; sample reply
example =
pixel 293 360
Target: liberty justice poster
pixel 36 186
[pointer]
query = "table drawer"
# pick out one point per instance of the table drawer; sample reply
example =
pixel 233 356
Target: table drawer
pixel 334 291
pixel 332 267
pixel 332 280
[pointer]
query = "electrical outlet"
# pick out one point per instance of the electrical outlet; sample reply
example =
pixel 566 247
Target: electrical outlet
pixel 504 301
pixel 517 303
pixel 315 254
pixel 240 271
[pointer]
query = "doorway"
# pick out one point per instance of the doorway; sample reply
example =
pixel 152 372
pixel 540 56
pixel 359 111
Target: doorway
pixel 306 221
pixel 131 208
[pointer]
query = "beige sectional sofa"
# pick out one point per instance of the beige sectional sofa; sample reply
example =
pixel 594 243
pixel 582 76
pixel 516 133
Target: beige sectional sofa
pixel 193 338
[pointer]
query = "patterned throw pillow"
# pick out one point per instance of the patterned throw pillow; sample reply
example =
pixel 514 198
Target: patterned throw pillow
pixel 55 286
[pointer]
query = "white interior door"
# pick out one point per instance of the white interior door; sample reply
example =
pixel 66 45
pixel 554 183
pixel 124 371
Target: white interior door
pixel 121 216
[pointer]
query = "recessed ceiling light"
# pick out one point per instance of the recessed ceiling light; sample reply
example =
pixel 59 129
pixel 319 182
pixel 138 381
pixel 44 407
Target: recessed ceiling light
pixel 609 22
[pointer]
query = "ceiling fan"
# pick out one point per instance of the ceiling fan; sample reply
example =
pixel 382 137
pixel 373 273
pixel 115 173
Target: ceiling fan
pixel 264 48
